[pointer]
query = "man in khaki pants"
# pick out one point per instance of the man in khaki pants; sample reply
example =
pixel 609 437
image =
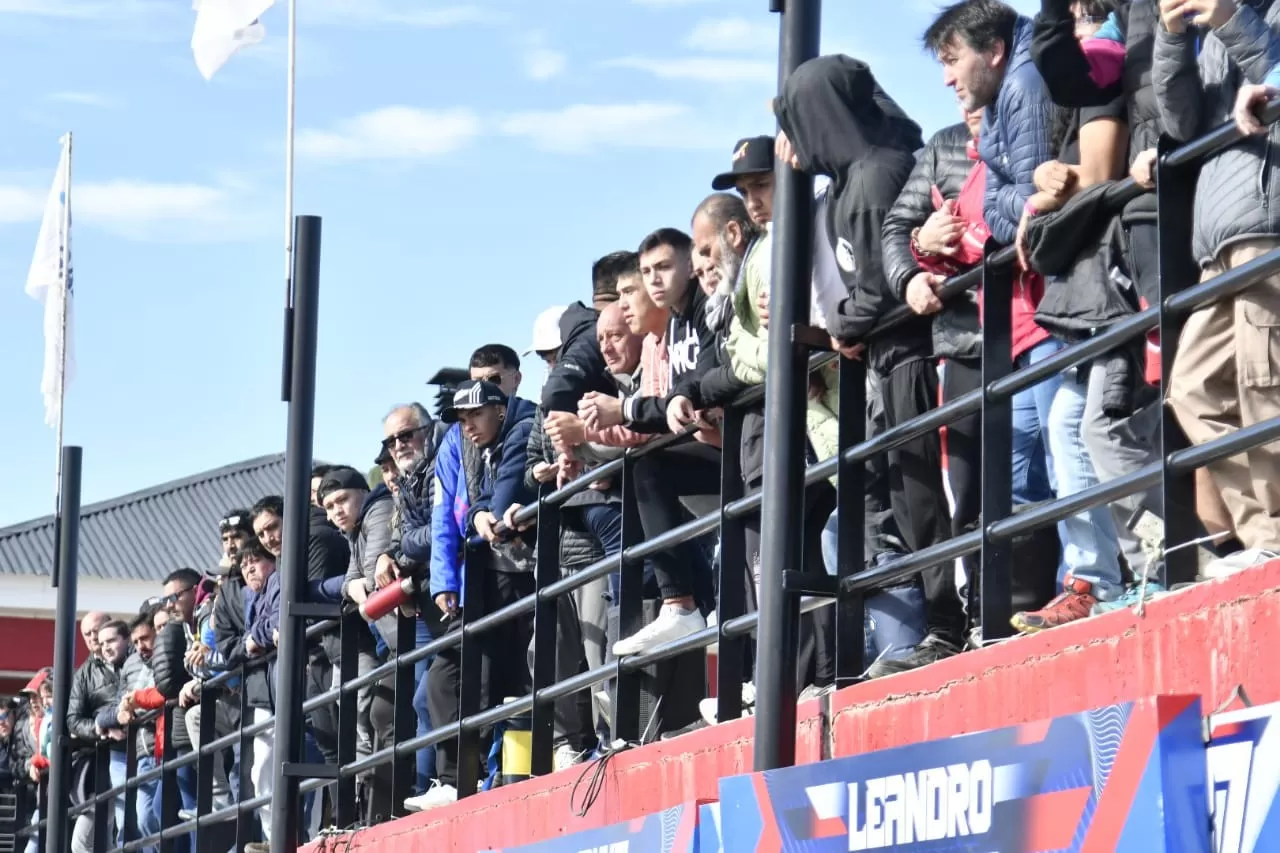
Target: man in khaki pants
pixel 1226 374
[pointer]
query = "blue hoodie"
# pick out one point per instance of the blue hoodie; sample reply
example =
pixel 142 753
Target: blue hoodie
pixel 502 484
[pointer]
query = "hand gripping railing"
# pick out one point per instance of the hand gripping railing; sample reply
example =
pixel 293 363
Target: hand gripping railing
pixel 1179 296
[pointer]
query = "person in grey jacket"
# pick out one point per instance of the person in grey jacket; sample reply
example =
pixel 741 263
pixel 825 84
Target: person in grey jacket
pixel 365 517
pixel 1226 372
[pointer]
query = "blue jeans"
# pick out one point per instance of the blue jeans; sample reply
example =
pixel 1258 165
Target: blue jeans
pixel 1034 479
pixel 605 523
pixel 119 775
pixel 148 821
pixel 426 757
pixel 894 618
pixel 1091 549
pixel 186 800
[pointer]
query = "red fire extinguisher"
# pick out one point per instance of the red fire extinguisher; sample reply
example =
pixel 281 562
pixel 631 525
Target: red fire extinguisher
pixel 388 598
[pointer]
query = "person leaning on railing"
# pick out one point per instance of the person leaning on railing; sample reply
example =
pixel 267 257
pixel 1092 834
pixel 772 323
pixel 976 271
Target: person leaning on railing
pixel 1226 372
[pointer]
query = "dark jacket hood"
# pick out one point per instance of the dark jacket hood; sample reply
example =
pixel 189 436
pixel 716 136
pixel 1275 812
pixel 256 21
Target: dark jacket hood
pixel 518 409
pixel 834 112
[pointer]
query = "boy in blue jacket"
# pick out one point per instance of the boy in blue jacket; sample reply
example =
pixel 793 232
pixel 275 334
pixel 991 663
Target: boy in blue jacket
pixel 479 474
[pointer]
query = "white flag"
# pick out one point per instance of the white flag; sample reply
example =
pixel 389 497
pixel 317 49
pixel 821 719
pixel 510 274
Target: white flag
pixel 49 281
pixel 222 28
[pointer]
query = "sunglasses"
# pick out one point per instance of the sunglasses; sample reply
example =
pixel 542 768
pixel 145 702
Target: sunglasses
pixel 402 437
pixel 231 522
pixel 172 598
pixel 496 378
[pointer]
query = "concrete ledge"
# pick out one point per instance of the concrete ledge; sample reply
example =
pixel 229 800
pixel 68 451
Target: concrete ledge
pixel 1205 640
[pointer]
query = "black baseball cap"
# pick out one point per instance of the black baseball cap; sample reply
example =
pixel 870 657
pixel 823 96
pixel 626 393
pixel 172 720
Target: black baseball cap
pixel 473 394
pixel 342 477
pixel 753 156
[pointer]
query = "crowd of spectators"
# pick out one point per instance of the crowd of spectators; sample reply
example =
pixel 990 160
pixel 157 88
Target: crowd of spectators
pixel 1052 115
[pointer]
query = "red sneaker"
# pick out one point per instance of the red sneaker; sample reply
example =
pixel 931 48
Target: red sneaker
pixel 1074 603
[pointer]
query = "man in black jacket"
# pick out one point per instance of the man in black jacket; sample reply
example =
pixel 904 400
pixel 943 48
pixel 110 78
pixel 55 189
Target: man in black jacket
pixel 579 366
pixel 93 687
pixel 692 469
pixel 842 125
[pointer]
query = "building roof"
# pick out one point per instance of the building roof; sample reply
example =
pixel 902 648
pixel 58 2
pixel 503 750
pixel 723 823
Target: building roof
pixel 145 535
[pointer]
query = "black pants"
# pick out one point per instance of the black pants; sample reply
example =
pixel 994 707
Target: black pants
pixel 916 492
pixel 964 445
pixel 324 720
pixel 380 805
pixel 503 668
pixel 661 480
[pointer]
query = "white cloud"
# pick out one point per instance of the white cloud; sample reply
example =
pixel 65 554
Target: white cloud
pixel 90 9
pixel 85 99
pixel 391 133
pixel 702 69
pixel 583 127
pixel 146 210
pixel 409 13
pixel 733 34
pixel 543 63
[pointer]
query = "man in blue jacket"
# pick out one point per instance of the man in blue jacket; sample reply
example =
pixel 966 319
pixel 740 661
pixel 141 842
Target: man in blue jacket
pixel 985 50
pixel 479 474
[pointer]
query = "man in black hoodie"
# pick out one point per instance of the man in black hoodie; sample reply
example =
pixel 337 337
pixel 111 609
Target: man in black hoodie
pixel 841 124
pixel 579 367
pixel 663 478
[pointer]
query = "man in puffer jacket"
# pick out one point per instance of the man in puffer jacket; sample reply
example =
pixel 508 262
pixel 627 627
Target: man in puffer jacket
pixel 985 50
pixel 479 475
pixel 1226 371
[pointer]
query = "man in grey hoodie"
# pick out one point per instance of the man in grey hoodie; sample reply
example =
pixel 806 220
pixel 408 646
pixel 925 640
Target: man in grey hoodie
pixel 1227 369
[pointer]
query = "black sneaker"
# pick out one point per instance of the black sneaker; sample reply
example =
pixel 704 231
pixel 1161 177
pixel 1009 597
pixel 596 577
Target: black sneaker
pixel 931 649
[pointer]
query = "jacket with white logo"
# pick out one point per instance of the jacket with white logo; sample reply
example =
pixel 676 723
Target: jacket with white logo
pixel 691 348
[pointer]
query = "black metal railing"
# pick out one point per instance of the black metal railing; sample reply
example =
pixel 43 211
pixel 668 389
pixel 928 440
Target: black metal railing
pixel 1179 296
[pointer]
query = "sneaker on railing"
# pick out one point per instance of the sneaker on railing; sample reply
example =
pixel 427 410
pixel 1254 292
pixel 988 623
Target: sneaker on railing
pixel 439 794
pixel 257 847
pixel 1131 597
pixel 566 756
pixel 1075 602
pixel 931 650
pixel 673 622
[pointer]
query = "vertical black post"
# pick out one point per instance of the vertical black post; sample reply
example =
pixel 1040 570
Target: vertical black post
pixel 245 820
pixel 206 836
pixel 733 580
pixel 1175 193
pixel 786 386
pixel 132 733
pixel 996 571
pixel 103 807
pixel 58 831
pixel 630 604
pixel 545 616
pixel 851 530
pixel 404 720
pixel 348 669
pixel 478 564
pixel 291 660
pixel 170 796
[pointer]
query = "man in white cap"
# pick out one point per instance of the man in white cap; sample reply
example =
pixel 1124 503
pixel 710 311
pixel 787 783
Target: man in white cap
pixel 546 335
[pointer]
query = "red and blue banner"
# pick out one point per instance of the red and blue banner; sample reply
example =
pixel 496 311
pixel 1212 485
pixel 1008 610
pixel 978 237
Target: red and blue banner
pixel 1125 778
pixel 1243 778
pixel 673 830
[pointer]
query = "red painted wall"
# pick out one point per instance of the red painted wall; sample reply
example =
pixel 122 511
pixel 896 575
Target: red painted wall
pixel 1204 640
pixel 26 645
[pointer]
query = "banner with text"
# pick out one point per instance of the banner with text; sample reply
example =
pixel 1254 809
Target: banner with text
pixel 673 830
pixel 1244 775
pixel 1125 778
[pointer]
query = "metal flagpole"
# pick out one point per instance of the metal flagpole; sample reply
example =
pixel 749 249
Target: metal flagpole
pixel 291 86
pixel 65 266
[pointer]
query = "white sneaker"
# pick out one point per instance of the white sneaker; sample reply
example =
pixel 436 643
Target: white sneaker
pixel 565 757
pixel 709 707
pixel 439 795
pixel 672 624
pixel 1237 562
pixel 713 619
pixel 604 702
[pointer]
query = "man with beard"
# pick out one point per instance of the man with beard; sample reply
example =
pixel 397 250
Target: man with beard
pixel 412 439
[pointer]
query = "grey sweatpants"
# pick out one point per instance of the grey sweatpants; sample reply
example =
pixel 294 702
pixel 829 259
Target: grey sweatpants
pixel 1120 446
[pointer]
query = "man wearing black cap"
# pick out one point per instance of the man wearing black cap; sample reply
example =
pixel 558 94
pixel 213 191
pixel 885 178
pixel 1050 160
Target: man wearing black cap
pixel 479 475
pixel 752 176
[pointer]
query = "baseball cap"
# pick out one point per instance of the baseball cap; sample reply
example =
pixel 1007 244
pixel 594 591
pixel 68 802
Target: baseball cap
pixel 473 394
pixel 751 156
pixel 546 330
pixel 236 519
pixel 339 478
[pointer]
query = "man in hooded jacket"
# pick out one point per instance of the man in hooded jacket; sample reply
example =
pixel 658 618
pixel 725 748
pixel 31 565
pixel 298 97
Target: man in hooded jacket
pixel 838 122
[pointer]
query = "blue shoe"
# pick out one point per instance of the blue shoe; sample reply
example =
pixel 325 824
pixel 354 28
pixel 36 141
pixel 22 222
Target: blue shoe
pixel 1130 598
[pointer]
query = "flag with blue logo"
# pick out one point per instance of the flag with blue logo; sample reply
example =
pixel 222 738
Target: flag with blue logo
pixel 49 282
pixel 224 27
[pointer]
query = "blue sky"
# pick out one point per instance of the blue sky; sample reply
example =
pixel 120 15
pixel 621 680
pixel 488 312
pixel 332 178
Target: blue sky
pixel 470 160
